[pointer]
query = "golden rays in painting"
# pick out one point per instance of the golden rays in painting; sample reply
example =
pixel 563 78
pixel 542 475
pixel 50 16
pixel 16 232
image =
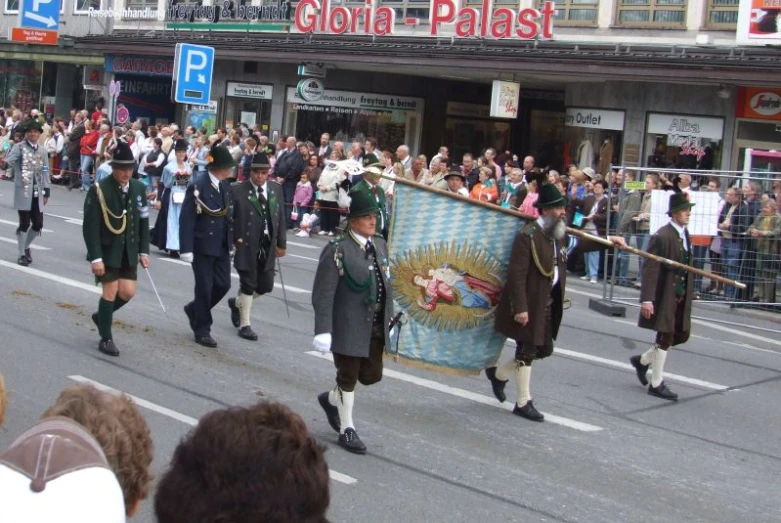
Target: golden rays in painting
pixel 447 286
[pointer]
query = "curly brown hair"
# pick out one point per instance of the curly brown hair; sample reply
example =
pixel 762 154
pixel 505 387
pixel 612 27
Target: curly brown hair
pixel 115 422
pixel 245 465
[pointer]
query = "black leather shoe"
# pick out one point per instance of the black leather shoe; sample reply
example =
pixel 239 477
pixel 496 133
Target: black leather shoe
pixel 190 315
pixel 95 319
pixel 206 341
pixel 496 384
pixel 235 318
pixel 23 261
pixel 350 442
pixel 247 333
pixel 331 412
pixel 641 369
pixel 108 347
pixel 528 411
pixel 662 392
pixel 28 255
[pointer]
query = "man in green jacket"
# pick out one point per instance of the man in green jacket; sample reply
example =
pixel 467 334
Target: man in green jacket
pixel 370 184
pixel 116 233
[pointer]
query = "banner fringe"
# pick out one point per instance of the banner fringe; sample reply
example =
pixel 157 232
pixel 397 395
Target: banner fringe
pixel 417 364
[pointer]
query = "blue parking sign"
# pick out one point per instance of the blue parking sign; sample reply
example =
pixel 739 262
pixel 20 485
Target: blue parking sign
pixel 39 14
pixel 193 67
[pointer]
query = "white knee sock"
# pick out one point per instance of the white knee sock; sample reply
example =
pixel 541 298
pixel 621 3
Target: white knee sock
pixel 647 358
pixel 244 303
pixel 523 379
pixel 345 406
pixel 506 370
pixel 658 367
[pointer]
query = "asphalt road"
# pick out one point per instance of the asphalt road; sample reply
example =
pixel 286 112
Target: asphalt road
pixel 441 449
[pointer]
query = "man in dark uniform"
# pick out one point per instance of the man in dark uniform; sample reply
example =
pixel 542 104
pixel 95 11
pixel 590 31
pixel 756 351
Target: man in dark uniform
pixel 260 233
pixel 531 305
pixel 116 233
pixel 370 185
pixel 353 306
pixel 29 168
pixel 666 296
pixel 205 240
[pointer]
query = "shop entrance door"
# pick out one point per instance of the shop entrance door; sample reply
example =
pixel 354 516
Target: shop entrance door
pixel 252 112
pixel 760 136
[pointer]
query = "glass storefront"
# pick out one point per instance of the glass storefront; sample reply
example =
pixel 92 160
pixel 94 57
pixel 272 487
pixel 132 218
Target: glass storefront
pixel 593 138
pixel 248 103
pixel 468 129
pixel 351 115
pixel 683 141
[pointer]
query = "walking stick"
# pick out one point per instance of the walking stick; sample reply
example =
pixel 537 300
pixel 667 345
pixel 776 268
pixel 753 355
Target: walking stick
pixel 154 288
pixel 284 292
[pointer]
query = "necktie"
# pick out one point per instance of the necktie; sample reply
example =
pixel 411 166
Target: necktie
pixel 261 196
pixel 369 248
pixel 374 190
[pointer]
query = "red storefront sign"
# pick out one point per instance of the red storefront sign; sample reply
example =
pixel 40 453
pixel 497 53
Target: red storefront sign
pixel 33 36
pixel 319 16
pixel 759 103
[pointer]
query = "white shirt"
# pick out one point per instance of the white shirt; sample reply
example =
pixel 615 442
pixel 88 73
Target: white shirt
pixel 215 181
pixel 264 187
pixel 555 280
pixel 362 240
pixel 681 233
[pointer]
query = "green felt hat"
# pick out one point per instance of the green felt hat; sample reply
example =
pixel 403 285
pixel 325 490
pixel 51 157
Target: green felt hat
pixel 33 125
pixel 362 203
pixel 260 161
pixel 550 197
pixel 679 202
pixel 123 155
pixel 220 158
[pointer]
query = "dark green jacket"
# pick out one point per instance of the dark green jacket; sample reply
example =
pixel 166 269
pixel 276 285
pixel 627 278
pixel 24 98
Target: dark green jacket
pixel 382 219
pixel 100 241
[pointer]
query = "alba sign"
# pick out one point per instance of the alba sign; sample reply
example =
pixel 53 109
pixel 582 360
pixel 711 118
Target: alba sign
pixel 319 17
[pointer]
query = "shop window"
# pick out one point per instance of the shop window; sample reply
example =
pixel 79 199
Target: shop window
pixel 655 13
pixel 11 6
pixel 141 4
pixel 82 6
pixel 722 14
pixel 575 12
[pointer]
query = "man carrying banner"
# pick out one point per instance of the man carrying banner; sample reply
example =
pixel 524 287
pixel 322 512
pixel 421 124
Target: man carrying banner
pixel 261 238
pixel 353 306
pixel 116 233
pixel 666 296
pixel 531 305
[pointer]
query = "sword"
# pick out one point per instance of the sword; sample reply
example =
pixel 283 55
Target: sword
pixel 282 280
pixel 154 288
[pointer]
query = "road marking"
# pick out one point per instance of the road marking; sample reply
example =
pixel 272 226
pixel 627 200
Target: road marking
pixel 68 219
pixel 187 420
pixel 304 245
pixel 704 323
pixel 751 347
pixel 16 224
pixel 236 276
pixel 469 395
pixel 625 322
pixel 627 366
pixel 33 246
pixel 302 257
pixel 699 337
pixel 52 277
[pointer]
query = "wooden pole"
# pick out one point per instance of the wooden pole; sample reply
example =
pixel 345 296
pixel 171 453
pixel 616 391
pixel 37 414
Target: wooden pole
pixel 574 232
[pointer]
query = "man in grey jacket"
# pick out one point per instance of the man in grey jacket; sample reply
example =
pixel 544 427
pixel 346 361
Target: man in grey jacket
pixel 353 306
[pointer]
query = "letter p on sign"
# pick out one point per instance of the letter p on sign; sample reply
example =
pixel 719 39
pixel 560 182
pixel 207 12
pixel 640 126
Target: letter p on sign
pixel 193 67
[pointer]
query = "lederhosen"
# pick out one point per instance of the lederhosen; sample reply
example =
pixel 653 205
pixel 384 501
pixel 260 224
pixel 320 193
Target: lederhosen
pixel 367 371
pixel 259 281
pixel 665 340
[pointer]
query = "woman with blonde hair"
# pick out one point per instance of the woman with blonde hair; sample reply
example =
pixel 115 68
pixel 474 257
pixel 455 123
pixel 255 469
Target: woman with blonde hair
pixel 485 190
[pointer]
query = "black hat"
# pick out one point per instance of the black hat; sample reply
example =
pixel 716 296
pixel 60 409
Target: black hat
pixel 679 202
pixel 362 203
pixel 550 197
pixel 220 158
pixel 123 155
pixel 33 125
pixel 260 161
pixel 455 172
pixel 181 145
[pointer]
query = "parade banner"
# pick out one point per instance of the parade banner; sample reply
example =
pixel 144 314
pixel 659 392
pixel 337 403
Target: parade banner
pixel 448 261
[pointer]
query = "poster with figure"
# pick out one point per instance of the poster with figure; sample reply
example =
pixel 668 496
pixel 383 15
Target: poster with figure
pixel 704 217
pixel 758 22
pixel 448 261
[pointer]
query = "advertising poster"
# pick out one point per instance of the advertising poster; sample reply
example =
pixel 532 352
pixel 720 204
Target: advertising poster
pixel 758 22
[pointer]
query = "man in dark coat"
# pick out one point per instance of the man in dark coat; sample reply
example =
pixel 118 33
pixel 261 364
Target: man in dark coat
pixel 206 238
pixel 73 150
pixel 666 296
pixel 288 169
pixel 353 303
pixel 531 305
pixel 116 233
pixel 260 236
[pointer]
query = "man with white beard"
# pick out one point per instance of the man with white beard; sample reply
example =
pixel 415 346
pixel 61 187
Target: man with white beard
pixel 531 304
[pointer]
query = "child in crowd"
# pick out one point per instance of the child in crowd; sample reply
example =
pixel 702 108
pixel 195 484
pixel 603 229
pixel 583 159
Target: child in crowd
pixel 301 199
pixel 309 221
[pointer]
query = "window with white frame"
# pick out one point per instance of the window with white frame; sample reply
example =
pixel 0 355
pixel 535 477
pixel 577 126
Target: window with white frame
pixel 722 14
pixel 575 12
pixel 11 6
pixel 136 4
pixel 652 13
pixel 82 6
